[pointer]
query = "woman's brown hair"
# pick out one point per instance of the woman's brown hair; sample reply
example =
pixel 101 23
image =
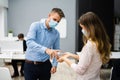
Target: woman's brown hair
pixel 97 33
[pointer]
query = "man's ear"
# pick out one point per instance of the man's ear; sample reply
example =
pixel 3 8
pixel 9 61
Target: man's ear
pixel 49 15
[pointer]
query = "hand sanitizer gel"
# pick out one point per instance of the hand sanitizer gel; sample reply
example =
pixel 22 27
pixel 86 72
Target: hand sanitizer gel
pixel 60 53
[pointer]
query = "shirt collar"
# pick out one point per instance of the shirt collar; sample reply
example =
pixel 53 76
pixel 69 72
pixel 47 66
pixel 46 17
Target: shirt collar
pixel 44 25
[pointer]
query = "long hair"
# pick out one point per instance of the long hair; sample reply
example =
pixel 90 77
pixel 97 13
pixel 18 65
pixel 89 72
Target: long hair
pixel 97 33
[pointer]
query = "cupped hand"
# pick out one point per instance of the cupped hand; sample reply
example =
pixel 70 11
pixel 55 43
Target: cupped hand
pixel 62 58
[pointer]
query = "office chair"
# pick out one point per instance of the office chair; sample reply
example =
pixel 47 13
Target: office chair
pixel 111 73
pixel 5 74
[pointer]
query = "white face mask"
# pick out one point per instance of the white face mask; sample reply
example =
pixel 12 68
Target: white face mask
pixel 84 32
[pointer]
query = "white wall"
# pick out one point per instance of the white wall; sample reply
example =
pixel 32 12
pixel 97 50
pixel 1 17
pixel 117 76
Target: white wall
pixel 3 17
pixel 3 21
pixel 4 3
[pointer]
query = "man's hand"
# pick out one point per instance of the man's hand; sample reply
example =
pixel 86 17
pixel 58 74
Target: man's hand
pixel 52 53
pixel 53 70
pixel 49 51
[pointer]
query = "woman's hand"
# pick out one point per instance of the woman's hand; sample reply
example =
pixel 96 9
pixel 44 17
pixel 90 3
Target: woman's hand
pixel 67 54
pixel 63 56
pixel 65 59
pixel 61 59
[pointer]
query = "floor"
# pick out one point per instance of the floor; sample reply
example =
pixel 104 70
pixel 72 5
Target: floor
pixel 64 72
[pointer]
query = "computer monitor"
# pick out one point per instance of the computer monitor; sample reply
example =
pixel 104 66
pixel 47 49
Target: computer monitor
pixel 11 46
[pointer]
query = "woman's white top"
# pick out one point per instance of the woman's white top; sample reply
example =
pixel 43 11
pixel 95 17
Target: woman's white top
pixel 88 67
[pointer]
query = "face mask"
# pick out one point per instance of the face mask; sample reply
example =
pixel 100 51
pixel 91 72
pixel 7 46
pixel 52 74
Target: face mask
pixel 53 23
pixel 85 32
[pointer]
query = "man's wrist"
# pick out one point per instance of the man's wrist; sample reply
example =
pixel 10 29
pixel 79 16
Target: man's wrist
pixel 48 51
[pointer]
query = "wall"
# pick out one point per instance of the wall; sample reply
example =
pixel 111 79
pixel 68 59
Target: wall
pixel 3 17
pixel 21 13
pixel 3 3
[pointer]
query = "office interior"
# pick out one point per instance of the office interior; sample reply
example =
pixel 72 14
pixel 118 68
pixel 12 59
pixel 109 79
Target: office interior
pixel 17 15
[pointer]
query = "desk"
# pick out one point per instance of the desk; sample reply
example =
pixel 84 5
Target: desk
pixel 18 56
pixel 21 56
pixel 115 70
pixel 115 55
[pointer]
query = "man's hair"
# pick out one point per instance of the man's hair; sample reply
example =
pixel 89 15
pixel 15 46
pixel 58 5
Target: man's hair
pixel 59 11
pixel 21 35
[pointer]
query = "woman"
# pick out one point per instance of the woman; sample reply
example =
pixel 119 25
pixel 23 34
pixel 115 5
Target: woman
pixel 96 49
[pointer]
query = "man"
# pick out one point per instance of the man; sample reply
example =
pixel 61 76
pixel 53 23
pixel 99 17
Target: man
pixel 14 62
pixel 43 42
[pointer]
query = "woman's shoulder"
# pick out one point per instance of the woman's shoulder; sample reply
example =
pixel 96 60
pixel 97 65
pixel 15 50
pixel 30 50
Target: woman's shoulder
pixel 91 43
pixel 91 46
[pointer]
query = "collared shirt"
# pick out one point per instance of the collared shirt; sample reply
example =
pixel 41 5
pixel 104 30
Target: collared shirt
pixel 88 67
pixel 39 38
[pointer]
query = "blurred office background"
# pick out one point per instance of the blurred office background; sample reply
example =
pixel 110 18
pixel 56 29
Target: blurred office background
pixel 17 15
